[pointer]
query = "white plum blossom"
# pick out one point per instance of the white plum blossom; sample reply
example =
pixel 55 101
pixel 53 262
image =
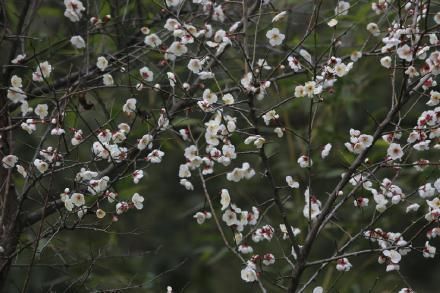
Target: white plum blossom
pixel 312 206
pixel 74 9
pixel 361 202
pixel 275 37
pixel 78 42
pixel 16 95
pixel 41 110
pixel 342 8
pixel 245 249
pixel 102 63
pixel 405 52
pixel 137 201
pixel 426 191
pixel 78 199
pixel 201 217
pixel 373 29
pixel 137 176
pixel 230 217
pixel 129 106
pixel 304 162
pixel 279 16
pixel 326 151
pixel 434 98
pixel 42 72
pixel 343 265
pixel 386 61
pixel 42 166
pixel 209 97
pixel 153 41
pixel 292 183
pixel 429 250
pixel 155 156
pixel 107 79
pixel 9 161
pixel 412 208
pixel 248 274
pixel 395 151
pixel 257 140
pixel 228 99
pixel 187 184
pixel 225 200
pixel 146 74
pixel 18 59
pixel 268 259
pixel 176 49
pixel 269 116
pixel 195 65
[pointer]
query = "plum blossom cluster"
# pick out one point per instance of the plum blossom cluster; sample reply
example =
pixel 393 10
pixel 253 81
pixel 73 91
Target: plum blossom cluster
pixel 231 121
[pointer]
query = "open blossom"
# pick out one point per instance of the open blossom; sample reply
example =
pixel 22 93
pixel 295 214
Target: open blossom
pixel 342 8
pixel 18 59
pixel 326 150
pixel 129 106
pixel 386 61
pixel 245 249
pixel 16 95
pixel 201 217
pixel 292 183
pixel 257 140
pixel 248 274
pixel 41 110
pixel 107 79
pixel 9 161
pixel 137 176
pixel 434 99
pixel 145 141
pixel 426 191
pixel 155 156
pixel 393 256
pixel 187 184
pixel 275 37
pixel 312 206
pixel 361 202
pixel 304 162
pixel 137 201
pixel 228 99
pixel 429 250
pixel 395 151
pixel 146 73
pixel 195 65
pixel 78 42
pixel 42 72
pixel 176 49
pixel 74 9
pixel 405 52
pixel 225 200
pixel 42 166
pixel 121 207
pixel 209 96
pixel 373 29
pixel 22 171
pixel 343 265
pixel 102 63
pixel 269 116
pixel 78 199
pixel 230 217
pixel 153 41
